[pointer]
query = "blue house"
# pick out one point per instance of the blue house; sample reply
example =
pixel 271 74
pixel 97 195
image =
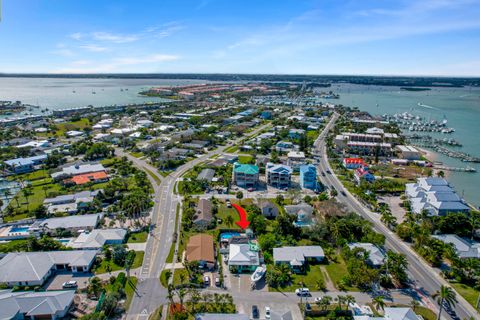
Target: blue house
pixel 296 133
pixel 308 176
pixel 266 115
pixel 24 165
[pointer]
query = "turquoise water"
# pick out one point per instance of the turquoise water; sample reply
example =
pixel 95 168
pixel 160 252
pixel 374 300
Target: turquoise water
pixel 19 229
pixel 228 235
pixel 461 107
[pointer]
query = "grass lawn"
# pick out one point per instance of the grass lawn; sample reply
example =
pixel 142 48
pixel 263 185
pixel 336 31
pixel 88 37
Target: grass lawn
pixel 14 245
pixel 338 270
pixel 153 175
pixel 138 237
pixel 245 158
pixel 39 174
pixel 165 173
pixel 231 149
pixel 130 288
pixel 108 162
pixel 309 280
pixel 102 267
pixel 164 276
pixel 469 293
pixel 137 154
pixel 35 200
pixel 68 126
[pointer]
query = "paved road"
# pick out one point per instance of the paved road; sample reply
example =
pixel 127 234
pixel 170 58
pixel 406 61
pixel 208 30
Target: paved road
pixel 150 294
pixel 425 277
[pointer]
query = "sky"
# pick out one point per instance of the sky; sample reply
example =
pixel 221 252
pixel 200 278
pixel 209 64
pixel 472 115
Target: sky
pixel 360 37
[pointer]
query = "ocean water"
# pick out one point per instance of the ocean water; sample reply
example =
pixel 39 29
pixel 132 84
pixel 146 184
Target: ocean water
pixel 460 106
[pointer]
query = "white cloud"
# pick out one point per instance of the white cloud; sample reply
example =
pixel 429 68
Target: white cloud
pixel 93 48
pixel 77 36
pixel 64 52
pixel 145 59
pixel 115 38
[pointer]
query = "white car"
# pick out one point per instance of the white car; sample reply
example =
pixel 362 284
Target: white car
pixel 206 280
pixel 303 292
pixel 268 314
pixel 69 284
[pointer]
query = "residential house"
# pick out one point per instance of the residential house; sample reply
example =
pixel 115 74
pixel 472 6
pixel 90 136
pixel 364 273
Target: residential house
pixel 70 203
pixel 25 165
pixel 376 257
pixel 362 174
pixel 243 257
pixel 35 305
pixel 34 268
pixel 71 223
pixel 392 314
pixel 295 159
pixel 463 247
pixel 268 208
pixel 354 163
pixel 97 238
pixel 297 257
pixel 296 133
pixel 206 174
pixel 308 176
pixel 278 175
pixel 78 169
pixel 201 248
pixel 245 175
pixel 203 216
pixel 303 213
pixel 93 177
pixel 285 146
pixel 266 115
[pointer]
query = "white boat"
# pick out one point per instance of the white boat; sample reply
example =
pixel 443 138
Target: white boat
pixel 258 274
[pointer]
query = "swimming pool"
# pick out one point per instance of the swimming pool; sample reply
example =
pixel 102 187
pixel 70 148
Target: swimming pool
pixel 19 229
pixel 228 235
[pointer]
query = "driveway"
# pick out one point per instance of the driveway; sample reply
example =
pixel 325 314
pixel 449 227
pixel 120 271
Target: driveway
pixel 394 204
pixel 56 281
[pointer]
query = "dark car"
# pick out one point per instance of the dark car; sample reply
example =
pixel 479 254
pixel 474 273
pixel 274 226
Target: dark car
pixel 323 174
pixel 329 172
pixel 255 313
pixel 343 193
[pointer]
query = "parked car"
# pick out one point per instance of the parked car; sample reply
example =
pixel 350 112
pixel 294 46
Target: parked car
pixel 250 189
pixel 69 284
pixel 255 313
pixel 329 172
pixel 343 193
pixel 323 174
pixel 206 280
pixel 302 292
pixel 268 314
pixel 228 203
pixel 217 281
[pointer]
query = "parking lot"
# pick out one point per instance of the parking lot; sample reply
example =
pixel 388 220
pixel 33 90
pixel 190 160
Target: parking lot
pixel 56 281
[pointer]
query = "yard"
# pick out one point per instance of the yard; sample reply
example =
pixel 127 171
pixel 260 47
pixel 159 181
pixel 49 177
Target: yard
pixel 138 237
pixel 311 280
pixel 245 158
pixel 337 271
pixel 79 125
pixel 105 264
pixel 231 149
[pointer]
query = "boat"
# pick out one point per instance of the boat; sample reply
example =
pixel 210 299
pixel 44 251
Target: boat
pixel 258 274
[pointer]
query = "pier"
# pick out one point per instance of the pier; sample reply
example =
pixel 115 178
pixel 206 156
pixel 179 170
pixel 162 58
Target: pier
pixel 457 169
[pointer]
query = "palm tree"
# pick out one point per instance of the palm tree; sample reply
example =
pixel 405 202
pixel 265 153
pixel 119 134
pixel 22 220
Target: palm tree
pixel 349 299
pixel 194 298
pixel 378 303
pixel 45 188
pixel 95 287
pixel 181 292
pixel 445 296
pixel 27 192
pixel 170 289
pixel 341 300
pixel 325 302
pixel 229 220
pixel 388 219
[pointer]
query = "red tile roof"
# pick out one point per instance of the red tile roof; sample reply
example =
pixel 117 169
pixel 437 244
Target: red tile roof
pixel 89 177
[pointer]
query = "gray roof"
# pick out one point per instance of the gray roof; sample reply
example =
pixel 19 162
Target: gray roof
pixel 81 221
pixel 297 254
pixel 34 303
pixel 240 254
pixel 97 238
pixel 83 195
pixel 25 161
pixel 79 169
pixel 464 248
pixel 376 256
pixel 221 316
pixel 34 266
pixel 204 210
pixel 296 208
pixel 206 174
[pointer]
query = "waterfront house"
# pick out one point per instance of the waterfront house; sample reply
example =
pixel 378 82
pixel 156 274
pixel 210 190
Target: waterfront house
pixel 408 152
pixel 308 176
pixel 201 248
pixel 34 268
pixel 243 257
pixel 245 175
pixel 376 256
pixel 278 175
pixel 25 165
pixel 297 257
